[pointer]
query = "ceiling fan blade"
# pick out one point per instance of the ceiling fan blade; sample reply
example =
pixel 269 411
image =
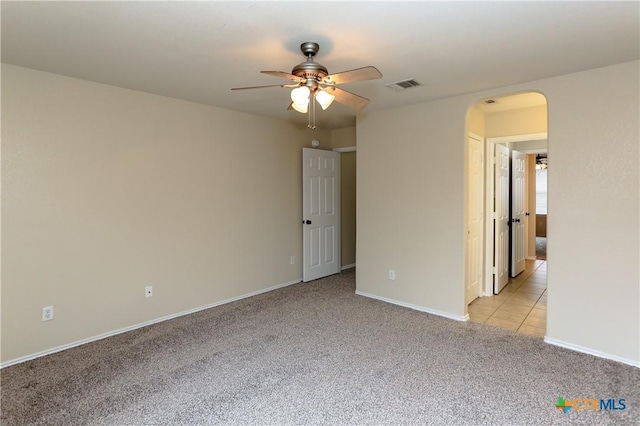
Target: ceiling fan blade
pixel 283 75
pixel 358 74
pixel 349 99
pixel 262 87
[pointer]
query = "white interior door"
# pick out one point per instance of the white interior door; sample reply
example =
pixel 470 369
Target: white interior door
pixel 475 207
pixel 501 215
pixel 518 210
pixel 320 213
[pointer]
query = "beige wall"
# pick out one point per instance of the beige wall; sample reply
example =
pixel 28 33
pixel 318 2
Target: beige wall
pixel 476 121
pixel 516 122
pixel 107 190
pixel 411 206
pixel 341 138
pixel 538 145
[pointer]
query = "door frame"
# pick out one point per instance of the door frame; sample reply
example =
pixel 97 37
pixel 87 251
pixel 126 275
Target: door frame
pixel 345 150
pixel 489 194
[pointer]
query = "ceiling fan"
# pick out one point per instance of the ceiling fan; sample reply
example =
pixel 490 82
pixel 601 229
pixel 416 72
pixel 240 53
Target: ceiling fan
pixel 312 80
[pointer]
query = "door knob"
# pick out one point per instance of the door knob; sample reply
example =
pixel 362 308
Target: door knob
pixel 527 214
pixel 517 220
pixel 308 222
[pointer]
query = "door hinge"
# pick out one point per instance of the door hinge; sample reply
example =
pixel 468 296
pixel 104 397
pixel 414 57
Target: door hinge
pixel 495 270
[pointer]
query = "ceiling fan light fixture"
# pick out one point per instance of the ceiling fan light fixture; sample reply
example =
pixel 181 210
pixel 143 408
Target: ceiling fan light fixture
pixel 541 162
pixel 324 98
pixel 312 80
pixel 301 108
pixel 300 98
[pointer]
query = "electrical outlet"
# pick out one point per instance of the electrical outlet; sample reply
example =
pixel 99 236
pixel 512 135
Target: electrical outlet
pixel 292 260
pixel 47 313
pixel 392 274
pixel 148 291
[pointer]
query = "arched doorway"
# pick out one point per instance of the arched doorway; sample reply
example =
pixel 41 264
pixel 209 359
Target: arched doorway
pixel 512 293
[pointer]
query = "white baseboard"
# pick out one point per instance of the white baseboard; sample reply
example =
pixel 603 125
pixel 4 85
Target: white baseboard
pixel 349 266
pixel 593 352
pixel 140 325
pixel 415 307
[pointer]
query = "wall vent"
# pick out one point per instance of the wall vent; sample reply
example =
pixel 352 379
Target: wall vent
pixel 405 84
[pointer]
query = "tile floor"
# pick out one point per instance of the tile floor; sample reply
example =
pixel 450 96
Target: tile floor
pixel 521 306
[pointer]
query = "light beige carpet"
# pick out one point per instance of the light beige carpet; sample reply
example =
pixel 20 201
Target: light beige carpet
pixel 315 353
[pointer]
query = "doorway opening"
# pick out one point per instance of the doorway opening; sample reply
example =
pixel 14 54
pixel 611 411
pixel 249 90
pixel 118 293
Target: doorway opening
pixel 541 168
pixel 513 131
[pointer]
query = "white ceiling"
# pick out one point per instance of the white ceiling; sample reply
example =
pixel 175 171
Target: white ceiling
pixel 197 51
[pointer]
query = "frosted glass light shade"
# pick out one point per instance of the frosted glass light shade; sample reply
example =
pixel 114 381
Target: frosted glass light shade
pixel 324 98
pixel 300 98
pixel 300 108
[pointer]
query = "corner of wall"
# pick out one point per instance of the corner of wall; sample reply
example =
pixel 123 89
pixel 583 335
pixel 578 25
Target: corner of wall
pixel 341 138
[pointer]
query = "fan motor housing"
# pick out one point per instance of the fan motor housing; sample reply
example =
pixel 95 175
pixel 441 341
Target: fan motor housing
pixel 310 69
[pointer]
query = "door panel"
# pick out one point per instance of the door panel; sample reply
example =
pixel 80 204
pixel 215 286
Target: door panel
pixel 329 196
pixel 329 238
pixel 314 195
pixel 518 210
pixel 501 225
pixel 321 213
pixel 314 247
